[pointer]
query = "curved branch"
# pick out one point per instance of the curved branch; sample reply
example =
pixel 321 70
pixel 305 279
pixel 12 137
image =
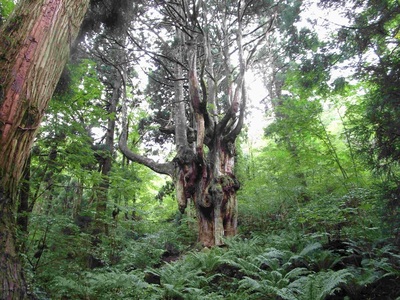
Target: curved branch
pixel 161 168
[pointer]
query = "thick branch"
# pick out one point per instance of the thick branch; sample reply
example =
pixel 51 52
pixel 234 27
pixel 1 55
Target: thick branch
pixel 161 168
pixel 198 104
pixel 239 125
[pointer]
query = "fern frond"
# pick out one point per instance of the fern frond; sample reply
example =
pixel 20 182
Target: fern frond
pixel 273 258
pixel 275 253
pixel 258 289
pixel 331 281
pixel 243 248
pixel 171 291
pixel 320 285
pixel 271 263
pixel 310 248
pixel 249 284
pixel 287 294
pixel 207 262
pixel 297 273
pixel 247 267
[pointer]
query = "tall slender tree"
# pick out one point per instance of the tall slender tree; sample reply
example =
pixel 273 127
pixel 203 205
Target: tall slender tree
pixel 108 22
pixel 35 44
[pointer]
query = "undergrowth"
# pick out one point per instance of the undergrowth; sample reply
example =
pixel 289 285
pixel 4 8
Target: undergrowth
pixel 287 262
pixel 263 266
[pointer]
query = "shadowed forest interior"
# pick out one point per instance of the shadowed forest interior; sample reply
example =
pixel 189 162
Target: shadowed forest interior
pixel 210 150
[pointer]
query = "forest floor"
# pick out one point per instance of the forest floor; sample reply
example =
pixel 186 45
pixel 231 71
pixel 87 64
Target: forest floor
pixel 350 257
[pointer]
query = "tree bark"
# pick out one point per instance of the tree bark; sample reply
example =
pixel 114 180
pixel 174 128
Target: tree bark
pixel 35 44
pixel 23 206
pixel 212 108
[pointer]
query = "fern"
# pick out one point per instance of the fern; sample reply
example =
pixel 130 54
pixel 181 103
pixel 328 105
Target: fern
pixel 276 253
pixel 297 273
pixel 360 279
pixel 316 259
pixel 389 262
pixel 273 256
pixel 247 267
pixel 122 285
pixel 200 294
pixel 243 248
pixel 187 279
pixel 69 287
pixel 310 248
pixel 303 257
pixel 170 291
pixel 377 264
pixel 257 289
pixel 287 240
pixel 318 286
pixel 206 261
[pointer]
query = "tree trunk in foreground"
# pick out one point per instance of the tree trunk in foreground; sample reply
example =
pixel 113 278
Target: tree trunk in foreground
pixel 35 44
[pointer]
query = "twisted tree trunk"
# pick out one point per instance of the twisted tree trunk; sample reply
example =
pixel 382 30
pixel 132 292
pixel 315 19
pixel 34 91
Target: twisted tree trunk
pixel 208 118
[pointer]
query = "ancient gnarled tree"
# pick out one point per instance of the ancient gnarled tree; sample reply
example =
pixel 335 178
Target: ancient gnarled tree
pixel 203 94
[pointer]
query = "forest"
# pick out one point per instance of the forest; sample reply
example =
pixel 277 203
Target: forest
pixel 199 149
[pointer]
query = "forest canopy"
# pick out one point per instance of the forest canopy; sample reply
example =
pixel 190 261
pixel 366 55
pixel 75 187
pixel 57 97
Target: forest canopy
pixel 199 149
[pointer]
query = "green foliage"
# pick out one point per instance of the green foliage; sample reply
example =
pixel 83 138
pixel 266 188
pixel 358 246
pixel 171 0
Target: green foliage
pixel 183 281
pixel 285 266
pixel 320 285
pixel 331 215
pixel 115 284
pixel 6 8
pixel 102 285
pixel 64 157
pixel 262 273
pixel 310 212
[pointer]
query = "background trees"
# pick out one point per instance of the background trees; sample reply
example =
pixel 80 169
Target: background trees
pixel 317 204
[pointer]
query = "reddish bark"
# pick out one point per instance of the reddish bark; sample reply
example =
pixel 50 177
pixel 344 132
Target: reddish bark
pixel 216 205
pixel 34 48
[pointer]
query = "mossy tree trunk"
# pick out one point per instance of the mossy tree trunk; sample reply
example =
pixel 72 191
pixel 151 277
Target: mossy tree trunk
pixel 34 46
